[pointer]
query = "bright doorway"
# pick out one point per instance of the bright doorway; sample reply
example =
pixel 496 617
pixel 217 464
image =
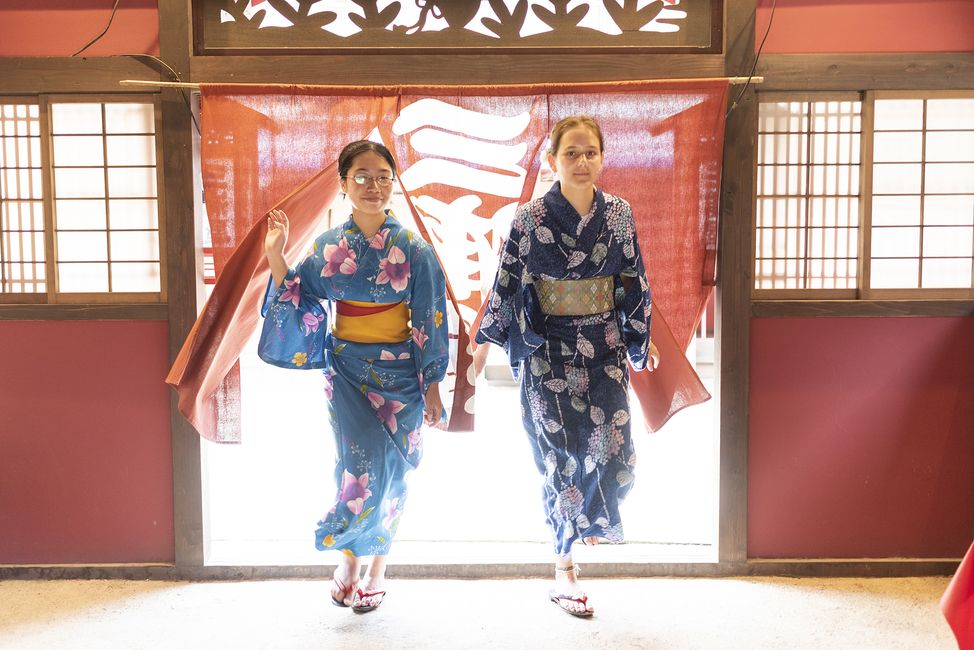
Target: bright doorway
pixel 475 497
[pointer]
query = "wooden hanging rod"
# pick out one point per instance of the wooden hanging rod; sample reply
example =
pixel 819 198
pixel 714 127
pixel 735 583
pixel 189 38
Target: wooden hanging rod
pixel 176 84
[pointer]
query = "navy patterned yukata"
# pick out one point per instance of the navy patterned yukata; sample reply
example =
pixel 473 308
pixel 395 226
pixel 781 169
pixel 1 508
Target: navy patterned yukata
pixel 572 369
pixel 375 391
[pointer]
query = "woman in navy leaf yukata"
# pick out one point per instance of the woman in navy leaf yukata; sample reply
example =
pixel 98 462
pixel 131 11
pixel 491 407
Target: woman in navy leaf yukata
pixel 569 304
pixel 368 307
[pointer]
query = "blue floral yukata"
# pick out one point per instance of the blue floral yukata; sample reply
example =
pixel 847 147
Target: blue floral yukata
pixel 375 391
pixel 572 369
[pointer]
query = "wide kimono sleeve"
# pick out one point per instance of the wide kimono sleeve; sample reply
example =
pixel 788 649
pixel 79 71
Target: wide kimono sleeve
pixel 427 307
pixel 507 320
pixel 633 300
pixel 295 321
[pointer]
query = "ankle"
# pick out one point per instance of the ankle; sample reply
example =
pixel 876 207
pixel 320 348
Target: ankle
pixel 566 573
pixel 375 578
pixel 349 566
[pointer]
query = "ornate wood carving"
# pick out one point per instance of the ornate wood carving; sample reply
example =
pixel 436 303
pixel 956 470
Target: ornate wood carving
pixel 248 26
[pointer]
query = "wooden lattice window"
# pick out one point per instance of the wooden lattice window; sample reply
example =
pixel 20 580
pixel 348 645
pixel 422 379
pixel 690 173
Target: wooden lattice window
pixel 868 199
pixel 22 255
pixel 807 218
pixel 80 201
pixel 921 210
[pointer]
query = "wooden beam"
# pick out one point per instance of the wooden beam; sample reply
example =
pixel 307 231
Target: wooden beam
pixel 84 312
pixel 36 75
pixel 395 69
pixel 142 83
pixel 919 71
pixel 732 305
pixel 859 308
pixel 183 284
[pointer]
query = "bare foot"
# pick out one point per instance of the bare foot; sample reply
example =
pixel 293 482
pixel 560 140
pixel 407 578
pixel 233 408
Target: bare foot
pixel 369 595
pixel 345 580
pixel 591 541
pixel 369 598
pixel 568 593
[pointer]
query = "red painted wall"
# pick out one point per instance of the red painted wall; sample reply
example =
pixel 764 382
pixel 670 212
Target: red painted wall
pixel 85 455
pixel 861 437
pixel 819 26
pixel 62 27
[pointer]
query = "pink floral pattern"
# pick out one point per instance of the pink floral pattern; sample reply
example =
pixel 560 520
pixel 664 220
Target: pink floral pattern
pixel 386 409
pixel 329 383
pixel 339 258
pixel 415 440
pixel 394 269
pixel 292 292
pixel 420 337
pixel 569 503
pixel 390 513
pixel 379 239
pixel 311 322
pixel 355 491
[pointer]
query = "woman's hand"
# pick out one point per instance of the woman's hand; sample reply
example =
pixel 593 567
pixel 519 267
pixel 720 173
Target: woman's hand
pixel 277 228
pixel 434 407
pixel 274 241
pixel 653 356
pixel 480 358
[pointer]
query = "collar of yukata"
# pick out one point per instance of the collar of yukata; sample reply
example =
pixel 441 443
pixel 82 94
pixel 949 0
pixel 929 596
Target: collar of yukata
pixel 555 199
pixel 391 219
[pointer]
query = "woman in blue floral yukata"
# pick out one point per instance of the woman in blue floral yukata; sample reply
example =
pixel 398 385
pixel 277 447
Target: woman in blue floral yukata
pixel 368 306
pixel 569 304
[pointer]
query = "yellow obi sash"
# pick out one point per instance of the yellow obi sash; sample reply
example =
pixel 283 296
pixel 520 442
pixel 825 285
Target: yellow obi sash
pixel 576 297
pixel 371 322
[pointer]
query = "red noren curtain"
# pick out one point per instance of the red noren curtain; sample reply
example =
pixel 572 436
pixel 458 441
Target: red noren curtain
pixel 957 603
pixel 468 156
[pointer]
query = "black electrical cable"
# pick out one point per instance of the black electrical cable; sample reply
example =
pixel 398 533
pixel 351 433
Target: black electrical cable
pixel 104 31
pixel 174 76
pixel 754 65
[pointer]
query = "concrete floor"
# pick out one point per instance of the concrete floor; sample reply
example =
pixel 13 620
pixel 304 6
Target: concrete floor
pixel 671 613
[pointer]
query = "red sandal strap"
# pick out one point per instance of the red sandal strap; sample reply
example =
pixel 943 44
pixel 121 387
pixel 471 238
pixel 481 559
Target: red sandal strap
pixel 583 599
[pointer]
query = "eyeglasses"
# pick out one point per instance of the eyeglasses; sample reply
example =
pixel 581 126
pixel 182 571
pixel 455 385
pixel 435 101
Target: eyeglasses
pixel 365 179
pixel 573 155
